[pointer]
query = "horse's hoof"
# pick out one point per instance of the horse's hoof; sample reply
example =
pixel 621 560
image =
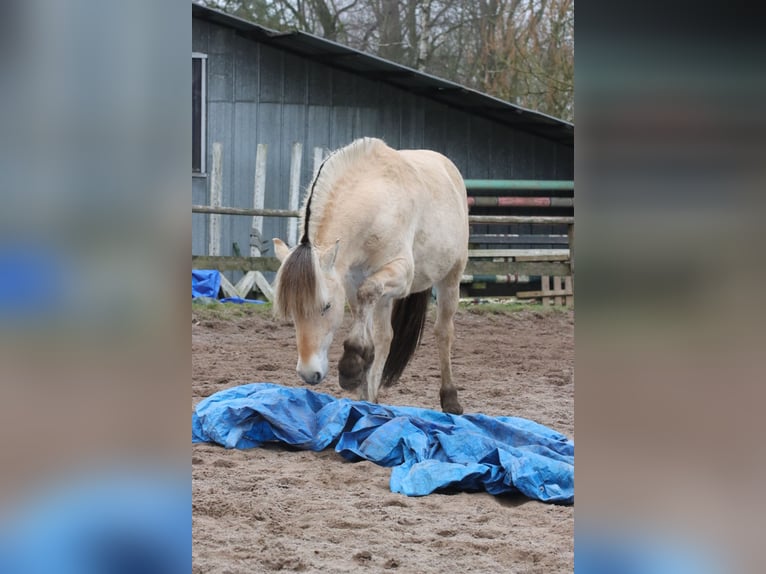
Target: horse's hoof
pixel 353 365
pixel 454 409
pixel 349 383
pixel 450 403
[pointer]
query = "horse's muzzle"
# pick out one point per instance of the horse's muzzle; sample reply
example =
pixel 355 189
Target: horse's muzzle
pixel 311 377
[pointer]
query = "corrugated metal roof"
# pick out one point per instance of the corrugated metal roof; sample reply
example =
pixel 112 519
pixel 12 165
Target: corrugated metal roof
pixel 333 54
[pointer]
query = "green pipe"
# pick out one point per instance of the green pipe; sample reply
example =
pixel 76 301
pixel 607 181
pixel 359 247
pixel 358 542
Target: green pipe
pixel 536 184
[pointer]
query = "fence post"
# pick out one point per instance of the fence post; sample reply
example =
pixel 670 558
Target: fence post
pixel 214 228
pixel 259 194
pixel 296 159
pixel 571 237
pixel 252 278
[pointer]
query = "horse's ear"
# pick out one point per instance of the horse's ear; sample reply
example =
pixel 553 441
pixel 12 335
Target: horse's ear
pixel 328 261
pixel 280 249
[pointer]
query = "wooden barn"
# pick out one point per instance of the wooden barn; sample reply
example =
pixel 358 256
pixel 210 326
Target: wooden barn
pixel 252 86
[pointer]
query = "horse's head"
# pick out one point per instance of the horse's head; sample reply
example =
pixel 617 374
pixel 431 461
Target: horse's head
pixel 309 291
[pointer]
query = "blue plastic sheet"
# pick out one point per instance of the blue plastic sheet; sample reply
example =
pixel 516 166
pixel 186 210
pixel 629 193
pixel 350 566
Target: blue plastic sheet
pixel 241 300
pixel 428 450
pixel 206 283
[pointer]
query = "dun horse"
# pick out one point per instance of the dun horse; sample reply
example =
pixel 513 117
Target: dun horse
pixel 381 227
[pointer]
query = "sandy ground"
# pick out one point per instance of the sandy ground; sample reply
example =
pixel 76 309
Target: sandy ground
pixel 274 509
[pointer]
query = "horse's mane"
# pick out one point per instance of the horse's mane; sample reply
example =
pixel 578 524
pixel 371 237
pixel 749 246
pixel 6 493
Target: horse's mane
pixel 298 291
pixel 333 168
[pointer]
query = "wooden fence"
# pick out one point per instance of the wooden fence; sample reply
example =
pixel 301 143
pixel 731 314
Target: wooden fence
pixel 501 233
pixel 493 265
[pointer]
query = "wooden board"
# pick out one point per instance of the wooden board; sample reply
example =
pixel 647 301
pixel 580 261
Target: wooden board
pixel 569 286
pixel 522 219
pixel 510 239
pixel 231 263
pixel 517 268
pixel 548 293
pixel 527 254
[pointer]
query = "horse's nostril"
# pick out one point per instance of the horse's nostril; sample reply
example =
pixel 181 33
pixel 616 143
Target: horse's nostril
pixel 312 378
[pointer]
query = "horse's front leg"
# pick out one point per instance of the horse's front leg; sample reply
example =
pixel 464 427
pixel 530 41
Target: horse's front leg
pixel 366 348
pixel 358 351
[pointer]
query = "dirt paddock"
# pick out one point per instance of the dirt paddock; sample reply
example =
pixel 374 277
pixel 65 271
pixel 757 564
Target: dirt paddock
pixel 274 509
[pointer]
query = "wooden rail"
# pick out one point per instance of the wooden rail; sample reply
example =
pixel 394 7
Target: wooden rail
pixel 245 211
pixel 518 184
pixel 491 201
pixel 507 219
pixel 541 219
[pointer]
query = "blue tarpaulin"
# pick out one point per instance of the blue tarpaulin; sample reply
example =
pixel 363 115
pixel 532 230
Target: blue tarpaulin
pixel 206 283
pixel 428 450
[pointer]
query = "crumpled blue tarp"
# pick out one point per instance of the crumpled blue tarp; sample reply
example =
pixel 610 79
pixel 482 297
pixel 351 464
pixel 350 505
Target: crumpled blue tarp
pixel 428 450
pixel 207 282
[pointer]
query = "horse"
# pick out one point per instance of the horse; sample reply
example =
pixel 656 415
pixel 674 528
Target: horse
pixel 381 229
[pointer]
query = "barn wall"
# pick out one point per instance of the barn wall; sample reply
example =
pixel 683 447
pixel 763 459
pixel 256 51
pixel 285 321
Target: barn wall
pixel 260 94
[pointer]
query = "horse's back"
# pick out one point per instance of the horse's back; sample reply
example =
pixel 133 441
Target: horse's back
pixel 441 241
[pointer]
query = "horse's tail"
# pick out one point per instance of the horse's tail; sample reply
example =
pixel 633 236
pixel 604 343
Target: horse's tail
pixel 408 319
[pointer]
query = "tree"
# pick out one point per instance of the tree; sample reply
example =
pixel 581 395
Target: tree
pixel 518 50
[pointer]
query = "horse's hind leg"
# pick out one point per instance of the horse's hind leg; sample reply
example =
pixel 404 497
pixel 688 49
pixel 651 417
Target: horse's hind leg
pixel 447 299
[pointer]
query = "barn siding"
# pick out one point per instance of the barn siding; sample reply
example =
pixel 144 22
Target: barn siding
pixel 261 94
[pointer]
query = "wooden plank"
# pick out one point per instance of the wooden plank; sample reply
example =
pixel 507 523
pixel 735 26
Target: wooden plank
pixel 516 267
pixel 547 185
pixel 245 211
pixel 495 279
pixel 216 174
pixel 542 257
pixel 527 254
pixel 521 219
pixel 557 287
pixel 259 193
pixel 231 263
pixel 510 239
pixel 252 279
pixel 569 286
pixel 228 289
pixel 264 286
pixel 296 158
pixel 245 285
pixel 547 294
pixel 545 289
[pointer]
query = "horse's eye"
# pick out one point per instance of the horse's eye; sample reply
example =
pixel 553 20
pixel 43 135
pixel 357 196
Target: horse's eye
pixel 326 308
